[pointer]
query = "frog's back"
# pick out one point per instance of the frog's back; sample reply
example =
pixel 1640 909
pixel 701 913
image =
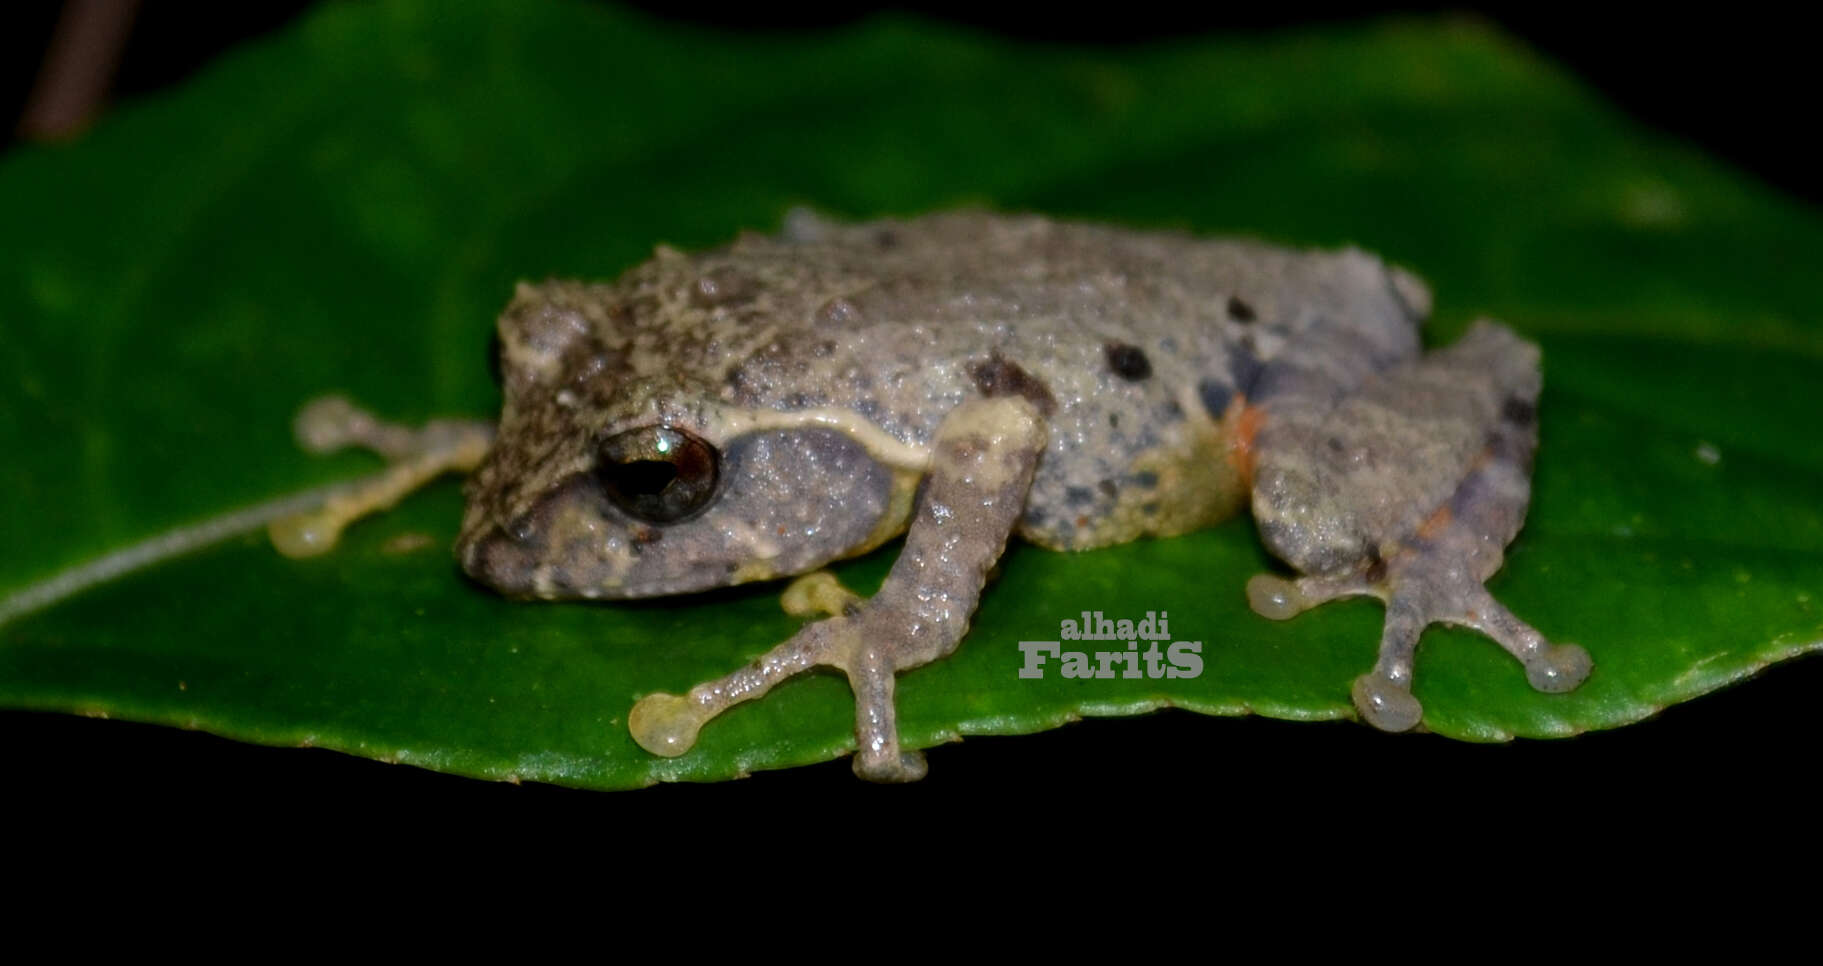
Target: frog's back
pixel 1135 344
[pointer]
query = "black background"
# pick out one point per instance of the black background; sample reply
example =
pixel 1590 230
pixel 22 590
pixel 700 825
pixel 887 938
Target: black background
pixel 1738 86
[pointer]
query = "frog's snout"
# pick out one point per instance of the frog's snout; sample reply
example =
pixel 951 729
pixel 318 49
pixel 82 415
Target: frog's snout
pixel 556 550
pixel 502 561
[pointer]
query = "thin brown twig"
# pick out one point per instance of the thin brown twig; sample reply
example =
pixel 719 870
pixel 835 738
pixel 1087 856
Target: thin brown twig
pixel 78 68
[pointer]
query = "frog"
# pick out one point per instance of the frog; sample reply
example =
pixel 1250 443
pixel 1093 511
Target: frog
pixel 763 409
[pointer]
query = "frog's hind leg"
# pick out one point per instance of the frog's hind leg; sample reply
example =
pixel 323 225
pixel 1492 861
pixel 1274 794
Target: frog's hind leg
pixel 983 458
pixel 1409 490
pixel 417 456
pixel 1423 583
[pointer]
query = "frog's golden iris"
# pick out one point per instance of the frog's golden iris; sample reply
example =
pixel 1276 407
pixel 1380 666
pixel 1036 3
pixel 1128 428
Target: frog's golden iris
pixel 658 474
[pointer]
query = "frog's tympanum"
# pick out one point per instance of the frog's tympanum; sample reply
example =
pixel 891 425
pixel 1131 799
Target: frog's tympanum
pixel 762 409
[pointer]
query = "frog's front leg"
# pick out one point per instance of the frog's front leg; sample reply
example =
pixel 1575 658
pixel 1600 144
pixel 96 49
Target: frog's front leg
pixel 416 456
pixel 1407 488
pixel 982 461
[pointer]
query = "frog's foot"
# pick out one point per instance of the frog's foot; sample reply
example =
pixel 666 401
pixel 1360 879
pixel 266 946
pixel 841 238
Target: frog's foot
pixel 1420 590
pixel 1408 490
pixel 982 462
pixel 867 648
pixel 819 594
pixel 417 456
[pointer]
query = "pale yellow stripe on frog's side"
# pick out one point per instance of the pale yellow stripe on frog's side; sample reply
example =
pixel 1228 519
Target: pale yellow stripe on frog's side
pixel 726 424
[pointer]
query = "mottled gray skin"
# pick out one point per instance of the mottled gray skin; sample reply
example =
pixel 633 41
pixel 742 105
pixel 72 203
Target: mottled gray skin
pixel 1078 385
pixel 899 323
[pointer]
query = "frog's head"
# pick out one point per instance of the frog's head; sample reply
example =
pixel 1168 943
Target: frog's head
pixel 616 474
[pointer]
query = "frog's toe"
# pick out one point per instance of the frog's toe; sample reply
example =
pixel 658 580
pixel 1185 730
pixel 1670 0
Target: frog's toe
pixel 1551 668
pixel 330 423
pixel 1560 668
pixel 906 766
pixel 1275 598
pixel 665 724
pixel 1385 703
pixel 305 534
pixel 819 594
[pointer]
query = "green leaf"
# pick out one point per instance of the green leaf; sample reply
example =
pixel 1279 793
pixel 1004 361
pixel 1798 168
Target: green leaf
pixel 346 206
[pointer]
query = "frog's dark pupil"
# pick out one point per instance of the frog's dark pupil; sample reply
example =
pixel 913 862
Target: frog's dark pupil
pixel 657 474
pixel 645 477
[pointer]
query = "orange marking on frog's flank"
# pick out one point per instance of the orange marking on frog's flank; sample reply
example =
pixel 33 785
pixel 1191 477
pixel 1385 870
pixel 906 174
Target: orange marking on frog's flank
pixel 1437 521
pixel 1435 524
pixel 1243 423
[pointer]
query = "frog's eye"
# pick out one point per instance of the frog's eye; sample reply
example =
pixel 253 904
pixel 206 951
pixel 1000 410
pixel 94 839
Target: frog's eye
pixel 656 473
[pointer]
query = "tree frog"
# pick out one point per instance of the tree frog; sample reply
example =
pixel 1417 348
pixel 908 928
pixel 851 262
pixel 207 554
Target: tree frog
pixel 762 409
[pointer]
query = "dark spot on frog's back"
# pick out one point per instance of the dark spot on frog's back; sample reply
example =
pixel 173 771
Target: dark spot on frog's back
pixel 1216 395
pixel 1240 311
pixel 1128 361
pixel 1518 411
pixel 999 376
